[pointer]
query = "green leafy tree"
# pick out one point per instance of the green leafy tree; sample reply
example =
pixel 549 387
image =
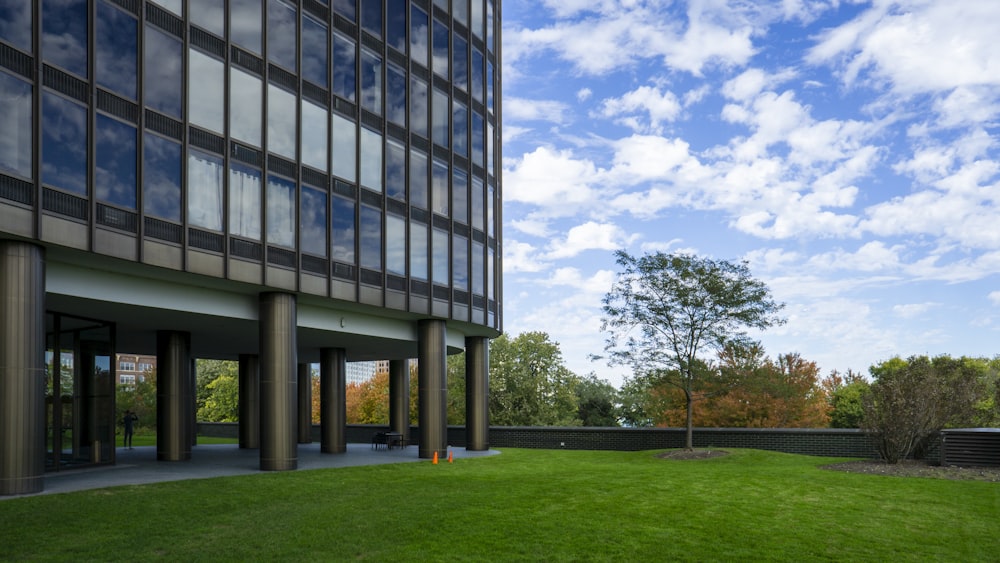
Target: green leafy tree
pixel 666 310
pixel 845 395
pixel 529 385
pixel 596 399
pixel 456 389
pixel 139 398
pixel 223 401
pixel 208 371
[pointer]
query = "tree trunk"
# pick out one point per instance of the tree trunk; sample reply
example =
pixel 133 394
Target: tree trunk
pixel 689 435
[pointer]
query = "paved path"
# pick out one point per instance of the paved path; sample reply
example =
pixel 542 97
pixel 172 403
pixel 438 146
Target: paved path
pixel 139 466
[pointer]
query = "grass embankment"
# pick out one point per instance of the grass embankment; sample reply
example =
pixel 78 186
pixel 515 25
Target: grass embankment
pixel 522 505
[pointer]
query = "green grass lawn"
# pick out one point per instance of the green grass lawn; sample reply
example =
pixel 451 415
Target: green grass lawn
pixel 522 505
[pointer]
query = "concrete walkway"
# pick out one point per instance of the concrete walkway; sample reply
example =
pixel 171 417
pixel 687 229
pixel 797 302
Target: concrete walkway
pixel 139 466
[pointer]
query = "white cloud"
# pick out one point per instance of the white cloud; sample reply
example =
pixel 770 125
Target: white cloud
pixel 584 94
pixel 913 310
pixel 554 180
pixel 994 297
pixel 655 106
pixel 589 236
pixel 520 109
pixel 521 257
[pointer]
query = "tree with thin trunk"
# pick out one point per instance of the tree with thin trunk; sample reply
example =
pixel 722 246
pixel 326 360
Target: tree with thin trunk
pixel 664 311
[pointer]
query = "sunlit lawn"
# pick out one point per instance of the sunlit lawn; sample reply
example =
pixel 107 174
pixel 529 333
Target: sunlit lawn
pixel 522 505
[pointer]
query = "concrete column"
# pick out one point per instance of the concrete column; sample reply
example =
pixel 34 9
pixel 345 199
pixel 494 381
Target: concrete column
pixel 278 382
pixel 399 397
pixel 305 404
pixel 477 393
pixel 249 401
pixel 431 388
pixel 173 395
pixel 22 368
pixel 333 400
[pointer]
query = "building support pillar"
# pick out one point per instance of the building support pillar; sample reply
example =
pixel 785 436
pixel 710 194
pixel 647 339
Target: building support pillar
pixel 22 368
pixel 305 404
pixel 278 382
pixel 477 393
pixel 173 395
pixel 432 371
pixel 399 397
pixel 333 400
pixel 249 401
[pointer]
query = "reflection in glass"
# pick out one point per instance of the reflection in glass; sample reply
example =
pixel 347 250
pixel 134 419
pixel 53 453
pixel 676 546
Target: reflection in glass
pixel 489 86
pixel 439 264
pixel 460 196
pixel 371 17
pixel 489 25
pixel 395 245
pixel 280 211
pixel 418 106
pixel 312 229
pixel 162 74
pixel 206 91
pixel 342 229
pixel 460 9
pixel 418 179
pixel 490 198
pixel 371 164
pixel 439 187
pixel 15 23
pixel 395 24
pixel 161 177
pixel 64 144
pixel 490 279
pixel 281 122
pixel 371 82
pixel 460 63
pixel 489 150
pixel 439 52
pixel 460 123
pixel 476 23
pixel 395 95
pixel 476 75
pixel 476 195
pixel 244 201
pixel 343 145
pixel 478 140
pixel 282 39
pixel 16 143
pixel 314 135
pixel 344 76
pixel 244 24
pixel 371 238
pixel 419 33
pixel 204 190
pixel 440 113
pixel 115 162
pixel 460 263
pixel 175 6
pixel 64 34
pixel 245 99
pixel 314 59
pixel 395 170
pixel 117 44
pixel 345 8
pixel 477 268
pixel 210 15
pixel 418 250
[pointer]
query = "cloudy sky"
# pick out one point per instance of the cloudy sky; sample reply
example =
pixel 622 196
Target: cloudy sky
pixel 848 150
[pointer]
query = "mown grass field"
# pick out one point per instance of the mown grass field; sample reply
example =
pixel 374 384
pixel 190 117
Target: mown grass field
pixel 522 505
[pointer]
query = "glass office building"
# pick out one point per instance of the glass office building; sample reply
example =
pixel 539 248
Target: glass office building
pixel 275 181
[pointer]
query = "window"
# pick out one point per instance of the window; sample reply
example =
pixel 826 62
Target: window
pixel 371 164
pixel 117 43
pixel 343 145
pixel 460 196
pixel 489 150
pixel 245 101
pixel 16 143
pixel 395 95
pixel 371 238
pixel 489 25
pixel 314 136
pixel 282 39
pixel 476 18
pixel 281 122
pixel 15 23
pixel 418 179
pixel 126 366
pixel 418 106
pixel 489 86
pixel 210 15
pixel 344 74
pixel 395 24
pixel 161 180
pixel 64 144
pixel 64 34
pixel 478 140
pixel 174 6
pixel 280 211
pixel 312 229
pixel 460 263
pixel 440 49
pixel 460 10
pixel 345 8
pixel 476 75
pixel 144 367
pixel 245 24
pixel 439 187
pixel 476 195
pixel 439 247
pixel 440 113
pixel 477 268
pixel 490 197
pixel 460 63
pixel 126 379
pixel 460 124
pixel 342 229
pixel 206 91
pixel 314 51
pixel 395 170
pixel 115 156
pixel 163 72
pixel 204 189
pixel 371 82
pixel 418 251
pixel 419 33
pixel 395 245
pixel 371 17
pixel 244 201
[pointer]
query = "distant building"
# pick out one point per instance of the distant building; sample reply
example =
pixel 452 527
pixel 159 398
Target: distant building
pixel 132 368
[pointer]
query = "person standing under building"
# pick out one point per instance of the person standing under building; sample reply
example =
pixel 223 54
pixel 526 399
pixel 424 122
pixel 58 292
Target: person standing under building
pixel 129 422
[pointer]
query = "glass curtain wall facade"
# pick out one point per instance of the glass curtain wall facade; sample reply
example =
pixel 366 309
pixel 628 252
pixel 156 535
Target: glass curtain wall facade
pixel 342 148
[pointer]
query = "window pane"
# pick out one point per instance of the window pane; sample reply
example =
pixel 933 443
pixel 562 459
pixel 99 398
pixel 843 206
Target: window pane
pixel 371 238
pixel 244 24
pixel 313 225
pixel 439 246
pixel 460 63
pixel 64 144
pixel 418 251
pixel 476 14
pixel 209 15
pixel 490 280
pixel 342 229
pixel 163 76
pixel 117 44
pixel 16 144
pixel 477 268
pixel 281 122
pixel 489 150
pixel 371 82
pixel 161 177
pixel 419 33
pixel 314 50
pixel 204 190
pixel 244 106
pixel 460 9
pixel 439 188
pixel 344 75
pixel 282 39
pixel 460 263
pixel 440 51
pixel 395 95
pixel 115 162
pixel 418 179
pixel 244 201
pixel 418 106
pixel 280 212
pixel 441 111
pixel 371 17
pixel 460 123
pixel 395 24
pixel 345 8
pixel 175 6
pixel 476 195
pixel 395 170
pixel 64 34
pixel 395 245
pixel 314 135
pixel 460 196
pixel 206 92
pixel 15 23
pixel 476 75
pixel 490 197
pixel 489 25
pixel 478 139
pixel 489 86
pixel 344 148
pixel 371 164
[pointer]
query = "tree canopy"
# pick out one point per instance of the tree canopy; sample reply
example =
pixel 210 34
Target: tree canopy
pixel 529 385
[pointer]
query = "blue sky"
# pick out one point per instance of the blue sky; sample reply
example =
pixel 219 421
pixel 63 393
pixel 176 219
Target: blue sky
pixel 847 150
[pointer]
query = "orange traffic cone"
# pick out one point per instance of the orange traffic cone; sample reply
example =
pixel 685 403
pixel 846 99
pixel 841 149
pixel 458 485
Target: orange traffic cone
pixel 435 462
pixel 450 457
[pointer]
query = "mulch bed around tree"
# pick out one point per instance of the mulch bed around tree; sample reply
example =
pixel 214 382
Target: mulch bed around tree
pixel 918 468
